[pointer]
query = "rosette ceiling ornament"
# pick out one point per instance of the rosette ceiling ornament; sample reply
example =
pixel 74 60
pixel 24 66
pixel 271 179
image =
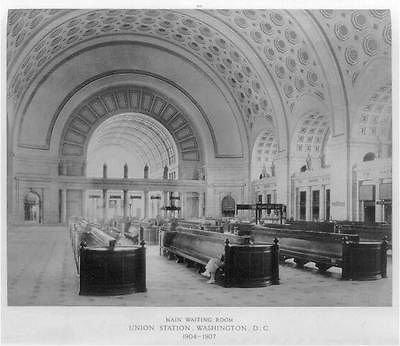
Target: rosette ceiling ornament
pixel 250 51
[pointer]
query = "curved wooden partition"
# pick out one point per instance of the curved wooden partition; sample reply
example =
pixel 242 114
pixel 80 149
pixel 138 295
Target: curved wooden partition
pixel 106 262
pixel 364 260
pixel 105 271
pixel 251 265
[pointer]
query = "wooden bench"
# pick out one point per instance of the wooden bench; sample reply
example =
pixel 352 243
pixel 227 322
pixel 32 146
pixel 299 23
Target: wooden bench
pixel 320 226
pixel 368 232
pixel 358 260
pixel 205 225
pixel 245 265
pixel 242 228
pixel 375 232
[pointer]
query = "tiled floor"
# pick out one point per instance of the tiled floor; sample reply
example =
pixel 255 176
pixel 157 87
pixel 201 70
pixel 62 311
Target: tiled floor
pixel 41 271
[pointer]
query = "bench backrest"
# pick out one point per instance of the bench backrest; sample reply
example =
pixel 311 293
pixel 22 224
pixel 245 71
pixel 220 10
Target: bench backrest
pixel 328 227
pixel 199 246
pixel 199 242
pixel 368 232
pixel 306 242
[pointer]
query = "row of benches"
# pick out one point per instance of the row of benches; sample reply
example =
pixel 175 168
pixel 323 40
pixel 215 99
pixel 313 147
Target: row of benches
pixel 359 260
pixel 374 232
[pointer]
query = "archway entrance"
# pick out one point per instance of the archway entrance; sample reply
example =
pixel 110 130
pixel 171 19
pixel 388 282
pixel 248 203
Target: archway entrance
pixel 228 206
pixel 32 207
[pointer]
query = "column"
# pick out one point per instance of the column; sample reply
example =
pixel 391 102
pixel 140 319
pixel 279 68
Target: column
pixel 201 204
pixel 293 207
pixel 341 179
pixel 158 206
pixel 282 178
pixel 84 204
pixel 378 207
pixel 165 200
pixel 308 203
pixel 104 204
pixel 146 203
pixel 125 204
pixel 357 201
pixel 182 204
pixel 322 204
pixel 64 205
pixel 362 211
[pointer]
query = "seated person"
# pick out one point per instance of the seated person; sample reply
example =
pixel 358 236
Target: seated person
pixel 211 268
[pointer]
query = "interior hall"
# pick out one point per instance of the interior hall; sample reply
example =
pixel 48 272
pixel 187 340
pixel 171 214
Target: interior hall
pixel 146 147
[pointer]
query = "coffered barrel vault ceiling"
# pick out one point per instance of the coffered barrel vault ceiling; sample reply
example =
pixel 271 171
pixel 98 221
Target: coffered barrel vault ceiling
pixel 255 54
pixel 376 115
pixel 139 133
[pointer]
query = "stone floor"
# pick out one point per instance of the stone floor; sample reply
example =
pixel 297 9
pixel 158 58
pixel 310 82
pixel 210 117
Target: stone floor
pixel 41 272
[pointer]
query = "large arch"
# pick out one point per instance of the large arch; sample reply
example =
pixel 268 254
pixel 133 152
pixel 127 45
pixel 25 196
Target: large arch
pixel 201 113
pixel 107 103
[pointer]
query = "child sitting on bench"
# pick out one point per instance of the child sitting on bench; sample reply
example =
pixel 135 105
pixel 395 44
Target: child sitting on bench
pixel 211 268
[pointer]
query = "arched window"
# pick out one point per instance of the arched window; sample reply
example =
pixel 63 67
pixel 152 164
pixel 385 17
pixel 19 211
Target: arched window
pixel 61 167
pixel 146 171
pixel 228 206
pixel 369 157
pixel 32 207
pixel 165 174
pixel 264 153
pixel 104 171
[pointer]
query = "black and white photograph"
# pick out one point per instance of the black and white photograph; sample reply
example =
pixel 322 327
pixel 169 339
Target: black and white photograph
pixel 200 169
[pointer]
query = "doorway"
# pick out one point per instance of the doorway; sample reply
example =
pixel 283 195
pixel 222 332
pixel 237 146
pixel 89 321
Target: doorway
pixel 228 206
pixel 302 205
pixel 369 212
pixel 327 204
pixel 32 211
pixel 315 205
